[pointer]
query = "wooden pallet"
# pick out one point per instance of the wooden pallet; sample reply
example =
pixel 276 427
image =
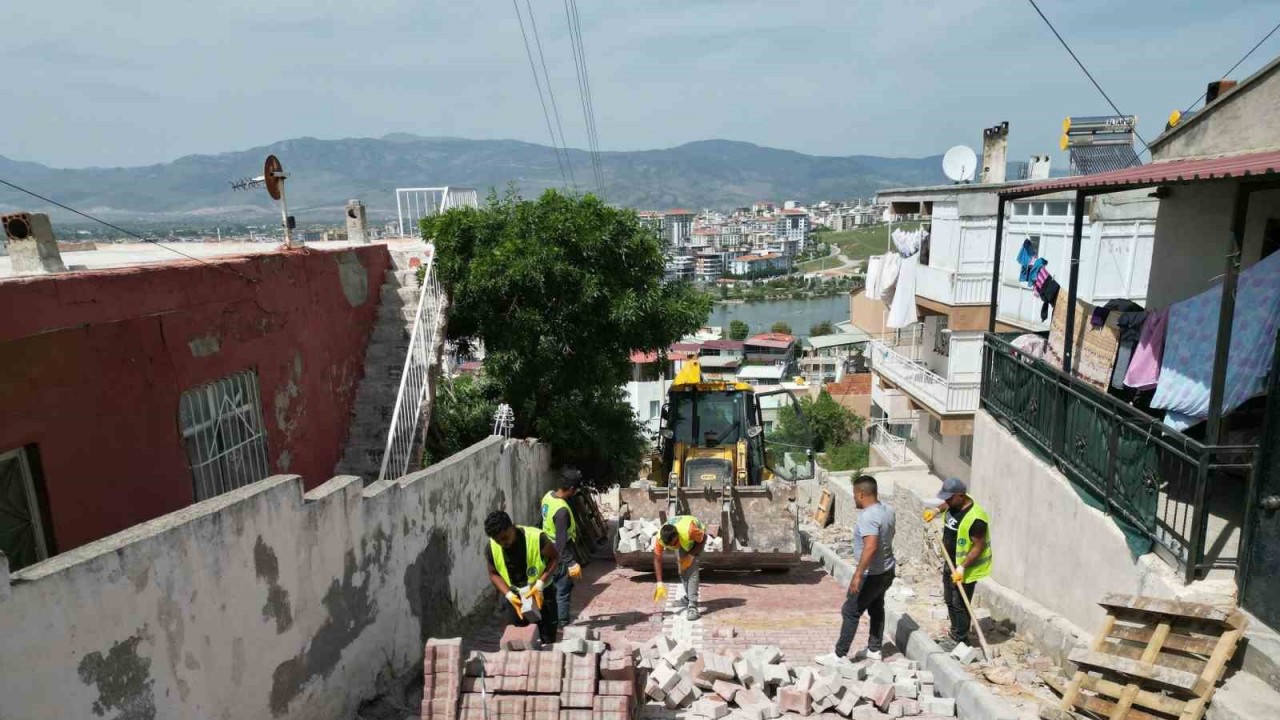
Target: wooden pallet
pixel 1153 659
pixel 592 526
pixel 823 515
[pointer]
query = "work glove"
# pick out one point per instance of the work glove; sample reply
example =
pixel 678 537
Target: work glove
pixel 957 575
pixel 930 514
pixel 514 599
pixel 575 571
pixel 660 593
pixel 686 562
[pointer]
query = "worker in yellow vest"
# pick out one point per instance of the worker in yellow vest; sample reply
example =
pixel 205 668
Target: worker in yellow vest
pixel 521 562
pixel 687 536
pixel 560 525
pixel 966 536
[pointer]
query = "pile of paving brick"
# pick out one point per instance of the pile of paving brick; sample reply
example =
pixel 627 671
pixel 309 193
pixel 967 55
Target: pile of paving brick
pixel 637 535
pixel 759 685
pixel 577 679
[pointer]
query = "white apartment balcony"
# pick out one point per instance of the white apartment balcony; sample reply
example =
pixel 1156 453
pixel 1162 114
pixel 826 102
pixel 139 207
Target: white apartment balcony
pixel 954 287
pixel 957 395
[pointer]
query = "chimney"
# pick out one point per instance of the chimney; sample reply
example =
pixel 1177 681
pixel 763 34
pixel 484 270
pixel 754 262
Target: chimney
pixel 356 224
pixel 1216 89
pixel 995 150
pixel 1039 167
pixel 32 248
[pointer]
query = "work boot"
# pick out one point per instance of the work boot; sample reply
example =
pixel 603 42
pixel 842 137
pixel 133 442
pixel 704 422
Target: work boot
pixel 682 603
pixel 947 643
pixel 692 614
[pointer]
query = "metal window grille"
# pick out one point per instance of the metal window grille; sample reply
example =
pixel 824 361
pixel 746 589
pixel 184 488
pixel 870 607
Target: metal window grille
pixel 223 433
pixel 22 534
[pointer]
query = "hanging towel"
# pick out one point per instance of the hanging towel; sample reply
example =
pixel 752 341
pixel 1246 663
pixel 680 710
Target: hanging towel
pixel 890 264
pixel 1033 275
pixel 1187 365
pixel 1041 276
pixel 1130 324
pixel 902 312
pixel 872 289
pixel 1144 367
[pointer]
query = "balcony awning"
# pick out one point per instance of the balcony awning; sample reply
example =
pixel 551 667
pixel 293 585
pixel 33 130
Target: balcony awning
pixel 1171 172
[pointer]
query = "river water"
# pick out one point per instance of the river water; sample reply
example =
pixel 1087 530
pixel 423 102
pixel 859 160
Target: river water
pixel 799 314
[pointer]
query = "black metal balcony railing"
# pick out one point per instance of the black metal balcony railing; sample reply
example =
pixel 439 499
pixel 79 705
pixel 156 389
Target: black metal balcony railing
pixel 1157 481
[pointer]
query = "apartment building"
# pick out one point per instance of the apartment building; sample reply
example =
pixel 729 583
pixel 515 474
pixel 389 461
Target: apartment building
pixel 792 226
pixel 928 374
pixel 677 227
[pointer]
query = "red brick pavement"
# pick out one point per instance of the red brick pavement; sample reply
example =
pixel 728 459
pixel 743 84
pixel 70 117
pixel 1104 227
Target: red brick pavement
pixel 798 611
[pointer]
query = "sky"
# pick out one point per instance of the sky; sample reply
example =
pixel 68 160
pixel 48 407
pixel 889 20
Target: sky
pixel 135 82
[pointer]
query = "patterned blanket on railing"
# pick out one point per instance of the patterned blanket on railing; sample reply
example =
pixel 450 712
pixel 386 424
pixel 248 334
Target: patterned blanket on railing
pixel 1093 349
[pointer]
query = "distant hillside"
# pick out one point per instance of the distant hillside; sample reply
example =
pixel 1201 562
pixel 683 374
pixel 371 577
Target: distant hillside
pixel 326 173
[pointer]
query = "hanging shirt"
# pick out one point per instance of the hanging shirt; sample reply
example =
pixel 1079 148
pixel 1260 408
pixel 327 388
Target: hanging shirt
pixel 1026 255
pixel 1048 291
pixel 889 269
pixel 1130 324
pixel 1187 367
pixel 1033 274
pixel 1144 366
pixel 872 289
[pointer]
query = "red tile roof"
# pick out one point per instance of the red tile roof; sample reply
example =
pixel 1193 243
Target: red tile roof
pixel 1160 173
pixel 682 347
pixel 678 211
pixel 723 344
pixel 771 340
pixel 641 357
pixel 793 211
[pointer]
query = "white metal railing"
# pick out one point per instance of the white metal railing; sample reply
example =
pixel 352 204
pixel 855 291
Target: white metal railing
pixel 922 383
pixel 954 287
pixel 415 379
pixel 414 204
pixel 891 446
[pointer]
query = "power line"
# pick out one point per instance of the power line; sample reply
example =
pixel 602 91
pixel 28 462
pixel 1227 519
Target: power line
pixel 554 107
pixel 541 100
pixel 1132 126
pixel 68 208
pixel 1240 62
pixel 584 90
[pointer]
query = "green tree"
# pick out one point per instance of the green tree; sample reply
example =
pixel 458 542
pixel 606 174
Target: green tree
pixel 739 330
pixel 823 328
pixel 560 290
pixel 781 327
pixel 830 423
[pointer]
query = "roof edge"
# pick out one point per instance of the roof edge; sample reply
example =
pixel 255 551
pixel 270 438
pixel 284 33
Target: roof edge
pixel 1222 100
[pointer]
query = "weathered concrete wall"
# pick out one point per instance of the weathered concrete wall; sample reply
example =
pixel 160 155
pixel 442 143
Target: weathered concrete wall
pixel 942 455
pixel 1193 228
pixel 1047 543
pixel 262 603
pixel 1246 119
pixel 94 364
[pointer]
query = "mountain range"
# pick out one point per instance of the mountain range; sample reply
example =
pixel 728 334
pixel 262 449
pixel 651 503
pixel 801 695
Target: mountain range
pixel 324 174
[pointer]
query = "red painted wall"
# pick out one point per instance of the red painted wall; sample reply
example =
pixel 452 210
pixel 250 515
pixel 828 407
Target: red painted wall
pixel 92 365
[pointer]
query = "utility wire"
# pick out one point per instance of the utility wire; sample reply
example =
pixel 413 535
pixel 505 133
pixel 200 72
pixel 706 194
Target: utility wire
pixel 542 100
pixel 584 90
pixel 554 107
pixel 1205 94
pixel 1132 126
pixel 126 232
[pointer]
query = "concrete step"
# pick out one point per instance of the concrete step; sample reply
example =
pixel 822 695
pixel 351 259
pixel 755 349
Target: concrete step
pixel 401 314
pixel 390 332
pixel 400 295
pixel 392 351
pixel 402 278
pixel 1244 697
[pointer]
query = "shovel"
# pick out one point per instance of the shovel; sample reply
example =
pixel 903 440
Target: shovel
pixel 986 649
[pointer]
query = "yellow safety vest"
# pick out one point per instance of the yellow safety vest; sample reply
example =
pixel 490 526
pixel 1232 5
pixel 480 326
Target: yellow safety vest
pixel 683 524
pixel 982 566
pixel 534 564
pixel 552 505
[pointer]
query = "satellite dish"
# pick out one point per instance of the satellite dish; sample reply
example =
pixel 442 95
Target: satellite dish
pixel 959 163
pixel 273 173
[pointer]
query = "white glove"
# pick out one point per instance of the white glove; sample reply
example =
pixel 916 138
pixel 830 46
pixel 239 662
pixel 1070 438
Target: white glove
pixel 539 585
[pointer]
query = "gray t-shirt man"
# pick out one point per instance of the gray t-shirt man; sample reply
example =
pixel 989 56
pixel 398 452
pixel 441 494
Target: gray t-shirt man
pixel 882 521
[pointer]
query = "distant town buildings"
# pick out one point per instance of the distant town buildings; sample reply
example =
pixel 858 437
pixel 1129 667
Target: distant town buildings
pixel 749 242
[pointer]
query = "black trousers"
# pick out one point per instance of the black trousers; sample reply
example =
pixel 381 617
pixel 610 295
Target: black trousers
pixel 868 599
pixel 956 609
pixel 550 621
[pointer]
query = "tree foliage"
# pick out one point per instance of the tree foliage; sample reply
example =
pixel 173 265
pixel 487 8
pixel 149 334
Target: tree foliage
pixel 781 327
pixel 739 330
pixel 830 423
pixel 823 328
pixel 560 290
pixel 461 416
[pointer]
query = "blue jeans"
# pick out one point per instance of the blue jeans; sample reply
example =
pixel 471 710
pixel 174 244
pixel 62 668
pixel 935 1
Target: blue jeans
pixel 869 600
pixel 563 585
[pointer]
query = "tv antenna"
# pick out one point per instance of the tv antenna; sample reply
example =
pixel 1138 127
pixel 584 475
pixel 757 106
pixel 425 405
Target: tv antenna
pixel 273 177
pixel 959 164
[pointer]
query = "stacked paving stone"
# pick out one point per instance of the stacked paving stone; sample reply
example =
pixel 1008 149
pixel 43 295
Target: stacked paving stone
pixel 637 536
pixel 759 685
pixel 522 682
